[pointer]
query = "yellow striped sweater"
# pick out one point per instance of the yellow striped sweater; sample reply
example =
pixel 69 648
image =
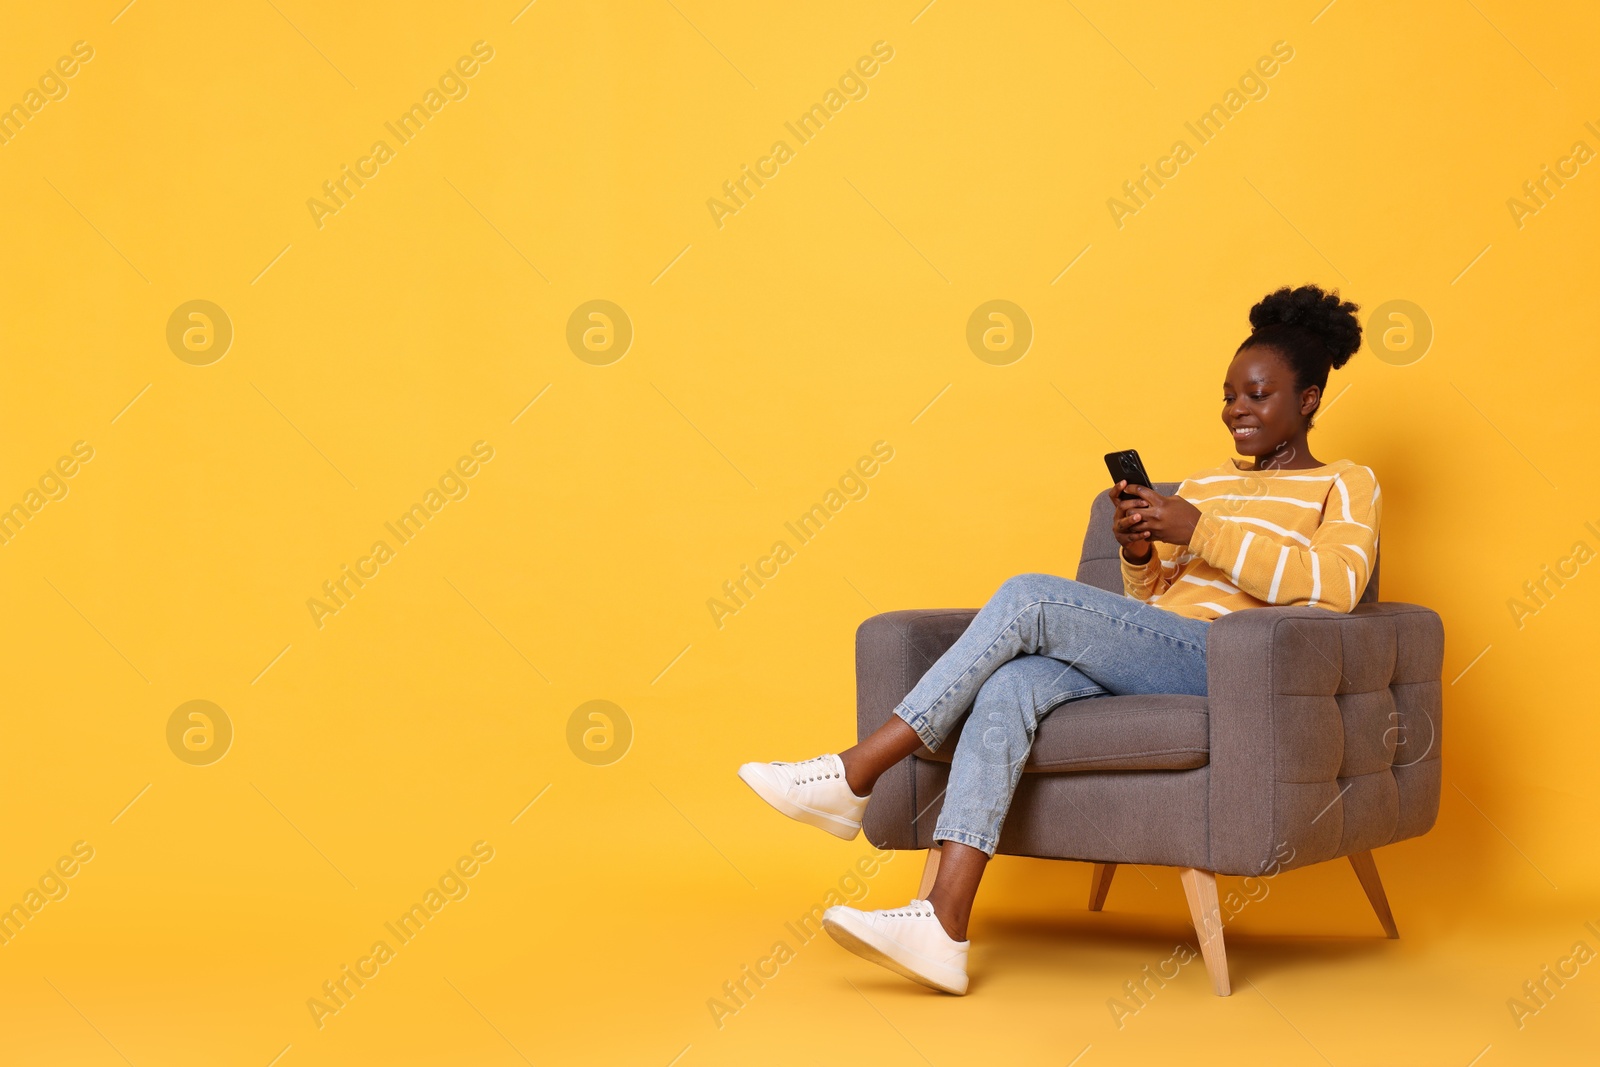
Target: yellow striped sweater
pixel 1271 537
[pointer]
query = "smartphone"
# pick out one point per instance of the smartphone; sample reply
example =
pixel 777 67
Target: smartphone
pixel 1126 466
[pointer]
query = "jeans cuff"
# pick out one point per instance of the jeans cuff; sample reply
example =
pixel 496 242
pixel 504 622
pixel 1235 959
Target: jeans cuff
pixel 962 837
pixel 919 722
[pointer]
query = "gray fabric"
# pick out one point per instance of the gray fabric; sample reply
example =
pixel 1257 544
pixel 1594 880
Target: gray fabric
pixel 1322 735
pixel 893 650
pixel 1308 708
pixel 1104 733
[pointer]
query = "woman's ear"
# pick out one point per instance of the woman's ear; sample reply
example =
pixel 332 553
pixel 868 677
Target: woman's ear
pixel 1309 399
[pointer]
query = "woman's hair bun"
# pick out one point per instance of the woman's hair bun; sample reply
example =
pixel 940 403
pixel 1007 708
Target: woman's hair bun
pixel 1322 313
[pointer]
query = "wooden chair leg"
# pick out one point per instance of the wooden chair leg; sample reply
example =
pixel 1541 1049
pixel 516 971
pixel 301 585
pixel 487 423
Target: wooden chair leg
pixel 930 871
pixel 1201 889
pixel 1367 870
pixel 1100 884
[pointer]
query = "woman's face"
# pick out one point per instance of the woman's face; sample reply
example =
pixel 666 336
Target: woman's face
pixel 1260 405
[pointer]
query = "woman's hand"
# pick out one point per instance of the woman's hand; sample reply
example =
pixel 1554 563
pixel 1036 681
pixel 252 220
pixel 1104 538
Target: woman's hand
pixel 1154 517
pixel 1125 525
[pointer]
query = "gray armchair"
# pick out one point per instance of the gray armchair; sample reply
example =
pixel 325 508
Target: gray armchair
pixel 1319 737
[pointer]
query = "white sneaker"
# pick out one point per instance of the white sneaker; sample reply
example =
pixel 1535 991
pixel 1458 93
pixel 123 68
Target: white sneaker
pixel 813 791
pixel 908 941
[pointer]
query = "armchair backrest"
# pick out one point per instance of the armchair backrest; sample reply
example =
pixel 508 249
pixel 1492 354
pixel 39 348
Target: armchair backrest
pixel 1098 564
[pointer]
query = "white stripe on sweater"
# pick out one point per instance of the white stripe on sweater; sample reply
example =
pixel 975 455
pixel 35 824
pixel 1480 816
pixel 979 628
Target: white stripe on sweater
pixel 1224 586
pixel 1274 527
pixel 1277 575
pixel 1314 505
pixel 1281 478
pixel 1244 546
pixel 1344 495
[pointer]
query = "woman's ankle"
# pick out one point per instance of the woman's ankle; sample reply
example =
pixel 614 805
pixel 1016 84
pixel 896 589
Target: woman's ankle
pixel 954 890
pixel 866 760
pixel 951 915
pixel 857 775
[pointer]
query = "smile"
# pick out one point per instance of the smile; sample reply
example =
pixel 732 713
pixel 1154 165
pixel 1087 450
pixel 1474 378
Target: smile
pixel 1245 431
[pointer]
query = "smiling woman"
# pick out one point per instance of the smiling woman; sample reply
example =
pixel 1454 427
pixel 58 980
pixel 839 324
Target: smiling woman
pixel 1279 372
pixel 1282 529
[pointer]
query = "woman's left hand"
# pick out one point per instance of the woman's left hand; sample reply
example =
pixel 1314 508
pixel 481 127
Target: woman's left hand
pixel 1164 518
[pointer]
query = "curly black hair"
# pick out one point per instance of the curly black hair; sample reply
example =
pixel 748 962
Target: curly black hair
pixel 1311 328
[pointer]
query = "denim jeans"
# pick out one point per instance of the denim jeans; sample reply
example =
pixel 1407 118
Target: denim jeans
pixel 1039 642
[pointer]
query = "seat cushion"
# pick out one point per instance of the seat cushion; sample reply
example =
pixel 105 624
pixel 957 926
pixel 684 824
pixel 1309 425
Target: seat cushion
pixel 1114 733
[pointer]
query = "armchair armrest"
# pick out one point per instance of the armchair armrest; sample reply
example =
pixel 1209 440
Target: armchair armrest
pixel 893 651
pixel 1325 732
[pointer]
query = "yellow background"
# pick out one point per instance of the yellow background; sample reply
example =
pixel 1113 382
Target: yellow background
pixel 769 354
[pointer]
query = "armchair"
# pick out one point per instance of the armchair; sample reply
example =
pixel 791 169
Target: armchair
pixel 1319 737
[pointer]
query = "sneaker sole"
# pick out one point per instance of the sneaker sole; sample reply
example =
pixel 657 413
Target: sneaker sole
pixel 870 945
pixel 822 820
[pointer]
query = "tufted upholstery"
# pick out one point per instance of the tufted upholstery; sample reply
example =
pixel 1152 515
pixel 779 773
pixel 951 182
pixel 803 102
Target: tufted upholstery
pixel 1321 738
pixel 1325 732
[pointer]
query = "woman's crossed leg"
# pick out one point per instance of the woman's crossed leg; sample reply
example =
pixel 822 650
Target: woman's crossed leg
pixel 1040 641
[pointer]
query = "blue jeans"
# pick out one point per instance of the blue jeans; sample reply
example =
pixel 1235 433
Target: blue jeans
pixel 1039 642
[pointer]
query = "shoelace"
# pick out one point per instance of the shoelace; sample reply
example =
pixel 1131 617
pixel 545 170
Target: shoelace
pixel 917 909
pixel 820 764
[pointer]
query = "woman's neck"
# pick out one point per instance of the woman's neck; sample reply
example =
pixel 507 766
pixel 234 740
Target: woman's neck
pixel 1289 456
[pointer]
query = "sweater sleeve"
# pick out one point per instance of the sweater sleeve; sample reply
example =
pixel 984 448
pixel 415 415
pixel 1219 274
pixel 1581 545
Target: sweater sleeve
pixel 1143 581
pixel 1276 566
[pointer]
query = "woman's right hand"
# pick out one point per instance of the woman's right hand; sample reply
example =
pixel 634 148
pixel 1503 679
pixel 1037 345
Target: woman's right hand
pixel 1136 546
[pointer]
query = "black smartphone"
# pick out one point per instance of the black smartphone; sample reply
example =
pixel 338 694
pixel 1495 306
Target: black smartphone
pixel 1125 466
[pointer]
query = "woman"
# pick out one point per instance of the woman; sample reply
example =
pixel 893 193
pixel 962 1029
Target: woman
pixel 1282 529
